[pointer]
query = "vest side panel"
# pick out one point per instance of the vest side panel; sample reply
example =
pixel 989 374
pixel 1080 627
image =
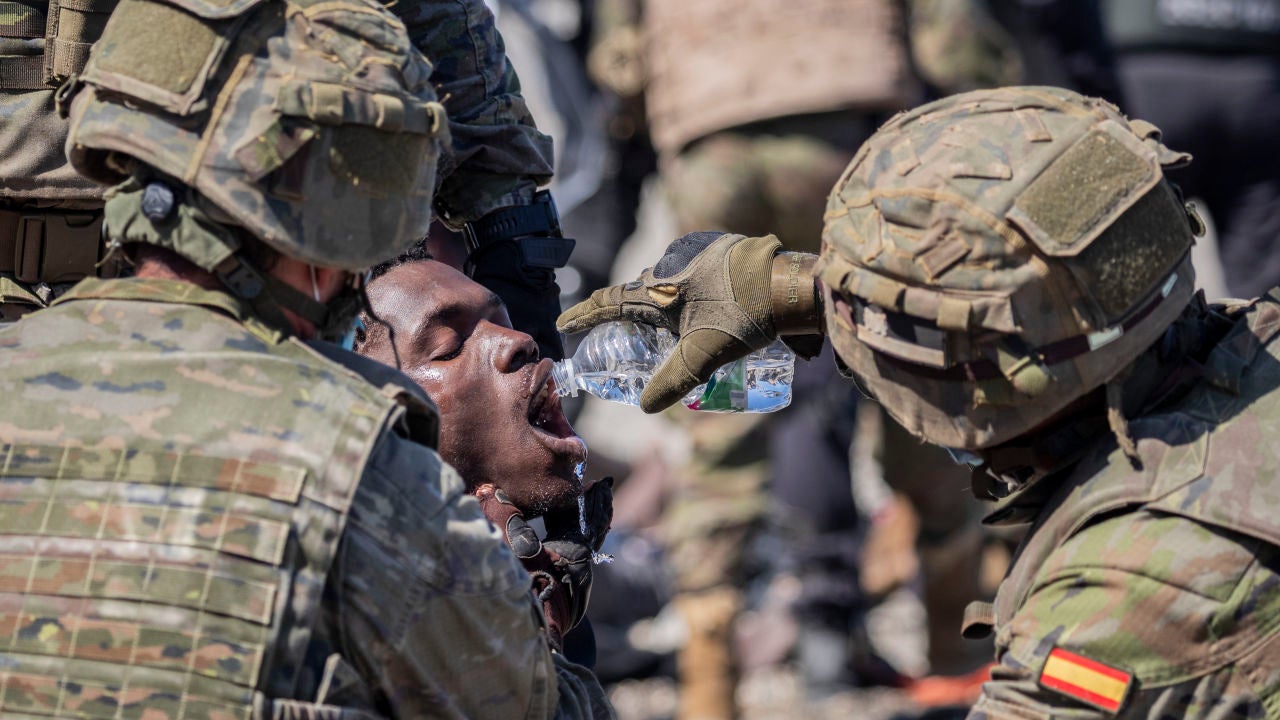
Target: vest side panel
pixel 171 498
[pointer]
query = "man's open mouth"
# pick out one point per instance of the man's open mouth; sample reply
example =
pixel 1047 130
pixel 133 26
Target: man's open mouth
pixel 547 417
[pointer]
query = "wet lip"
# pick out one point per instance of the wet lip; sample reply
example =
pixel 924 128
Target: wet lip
pixel 546 417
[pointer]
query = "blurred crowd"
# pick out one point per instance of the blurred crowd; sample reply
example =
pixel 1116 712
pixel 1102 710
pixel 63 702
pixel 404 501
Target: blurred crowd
pixel 767 563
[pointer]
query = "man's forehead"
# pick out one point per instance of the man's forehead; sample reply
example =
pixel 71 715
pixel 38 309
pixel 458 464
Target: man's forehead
pixel 437 290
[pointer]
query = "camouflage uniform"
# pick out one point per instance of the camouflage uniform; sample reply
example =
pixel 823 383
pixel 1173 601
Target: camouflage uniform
pixel 232 523
pixel 731 162
pixel 1148 585
pixel 1008 273
pixel 758 163
pixel 497 156
pixel 1169 573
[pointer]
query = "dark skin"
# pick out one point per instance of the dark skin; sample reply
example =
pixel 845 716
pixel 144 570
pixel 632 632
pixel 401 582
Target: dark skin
pixel 501 425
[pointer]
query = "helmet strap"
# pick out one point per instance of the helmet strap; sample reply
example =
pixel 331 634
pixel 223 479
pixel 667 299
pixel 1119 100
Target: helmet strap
pixel 268 295
pixel 1118 422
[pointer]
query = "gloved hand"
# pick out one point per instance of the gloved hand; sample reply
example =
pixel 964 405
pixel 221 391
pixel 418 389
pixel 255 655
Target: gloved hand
pixel 721 294
pixel 531 294
pixel 559 565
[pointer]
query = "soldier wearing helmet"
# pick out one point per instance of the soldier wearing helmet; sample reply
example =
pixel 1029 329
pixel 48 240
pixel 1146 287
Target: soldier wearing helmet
pixel 51 216
pixel 1007 273
pixel 207 510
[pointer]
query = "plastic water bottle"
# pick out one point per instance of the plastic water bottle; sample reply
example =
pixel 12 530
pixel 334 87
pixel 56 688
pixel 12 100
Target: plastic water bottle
pixel 616 360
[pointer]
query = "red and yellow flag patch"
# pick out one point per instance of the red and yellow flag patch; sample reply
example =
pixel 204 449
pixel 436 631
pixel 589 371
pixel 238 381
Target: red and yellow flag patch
pixel 1088 681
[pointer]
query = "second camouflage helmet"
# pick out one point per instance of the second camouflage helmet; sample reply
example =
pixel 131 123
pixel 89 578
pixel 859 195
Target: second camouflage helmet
pixel 991 257
pixel 310 123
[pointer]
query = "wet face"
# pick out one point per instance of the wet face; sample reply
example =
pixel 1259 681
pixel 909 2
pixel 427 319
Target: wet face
pixel 501 422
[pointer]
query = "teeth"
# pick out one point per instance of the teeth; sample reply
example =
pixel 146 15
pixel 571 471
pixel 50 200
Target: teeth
pixel 539 405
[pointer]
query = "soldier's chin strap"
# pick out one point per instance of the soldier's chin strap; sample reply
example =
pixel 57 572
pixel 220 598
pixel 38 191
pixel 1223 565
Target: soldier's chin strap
pixel 1163 372
pixel 1023 461
pixel 268 295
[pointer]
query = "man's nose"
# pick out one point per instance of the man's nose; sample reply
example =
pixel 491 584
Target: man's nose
pixel 518 350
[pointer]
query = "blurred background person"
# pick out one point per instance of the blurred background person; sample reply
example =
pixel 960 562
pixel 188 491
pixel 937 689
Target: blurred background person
pixel 1207 73
pixel 754 110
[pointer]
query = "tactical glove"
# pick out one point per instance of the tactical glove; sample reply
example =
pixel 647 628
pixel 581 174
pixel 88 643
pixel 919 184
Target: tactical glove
pixel 559 565
pixel 724 295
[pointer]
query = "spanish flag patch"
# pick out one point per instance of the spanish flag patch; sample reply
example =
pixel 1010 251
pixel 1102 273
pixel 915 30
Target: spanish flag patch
pixel 1088 681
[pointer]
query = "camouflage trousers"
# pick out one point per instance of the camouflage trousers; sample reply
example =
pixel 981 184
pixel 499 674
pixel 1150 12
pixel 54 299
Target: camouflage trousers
pixel 768 177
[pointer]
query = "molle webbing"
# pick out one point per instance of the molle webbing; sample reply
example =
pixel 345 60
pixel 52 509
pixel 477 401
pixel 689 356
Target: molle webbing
pixel 74 25
pixel 68 28
pixel 154 580
pixel 22 28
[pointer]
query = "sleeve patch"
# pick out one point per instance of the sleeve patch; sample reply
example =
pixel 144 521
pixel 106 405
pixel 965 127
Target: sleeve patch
pixel 1088 681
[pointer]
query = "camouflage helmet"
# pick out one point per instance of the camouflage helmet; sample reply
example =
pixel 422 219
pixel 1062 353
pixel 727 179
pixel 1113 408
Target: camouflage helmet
pixel 309 123
pixel 993 256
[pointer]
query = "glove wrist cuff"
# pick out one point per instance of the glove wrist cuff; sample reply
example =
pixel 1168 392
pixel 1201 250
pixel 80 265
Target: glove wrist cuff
pixel 533 228
pixel 793 295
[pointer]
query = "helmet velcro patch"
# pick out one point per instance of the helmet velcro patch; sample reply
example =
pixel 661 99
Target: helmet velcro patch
pixel 1085 189
pixel 1134 254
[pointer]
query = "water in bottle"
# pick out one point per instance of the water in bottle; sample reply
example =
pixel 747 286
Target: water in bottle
pixel 615 361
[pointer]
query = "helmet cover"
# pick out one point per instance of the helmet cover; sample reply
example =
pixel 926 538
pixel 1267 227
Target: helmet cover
pixel 309 123
pixel 990 257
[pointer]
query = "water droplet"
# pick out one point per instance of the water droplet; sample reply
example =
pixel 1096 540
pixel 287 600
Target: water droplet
pixel 597 558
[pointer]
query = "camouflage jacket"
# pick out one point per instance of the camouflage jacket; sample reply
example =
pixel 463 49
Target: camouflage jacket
pixel 301 555
pixel 1155 593
pixel 498 156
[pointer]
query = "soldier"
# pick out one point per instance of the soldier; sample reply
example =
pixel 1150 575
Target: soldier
pixel 50 218
pixel 208 511
pixel 1008 273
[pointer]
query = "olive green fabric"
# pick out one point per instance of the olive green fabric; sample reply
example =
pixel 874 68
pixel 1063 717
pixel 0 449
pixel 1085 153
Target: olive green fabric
pixel 718 305
pixel 311 124
pixel 990 257
pixel 165 46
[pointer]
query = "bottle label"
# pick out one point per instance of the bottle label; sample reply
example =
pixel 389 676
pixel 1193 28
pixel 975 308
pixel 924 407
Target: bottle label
pixel 726 391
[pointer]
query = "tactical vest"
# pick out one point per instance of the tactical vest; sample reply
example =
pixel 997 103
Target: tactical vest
pixel 714 65
pixel 173 487
pixel 1190 468
pixel 1220 26
pixel 42 43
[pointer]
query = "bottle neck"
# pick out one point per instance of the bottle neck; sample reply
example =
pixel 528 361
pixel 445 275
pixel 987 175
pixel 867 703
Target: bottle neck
pixel 565 376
